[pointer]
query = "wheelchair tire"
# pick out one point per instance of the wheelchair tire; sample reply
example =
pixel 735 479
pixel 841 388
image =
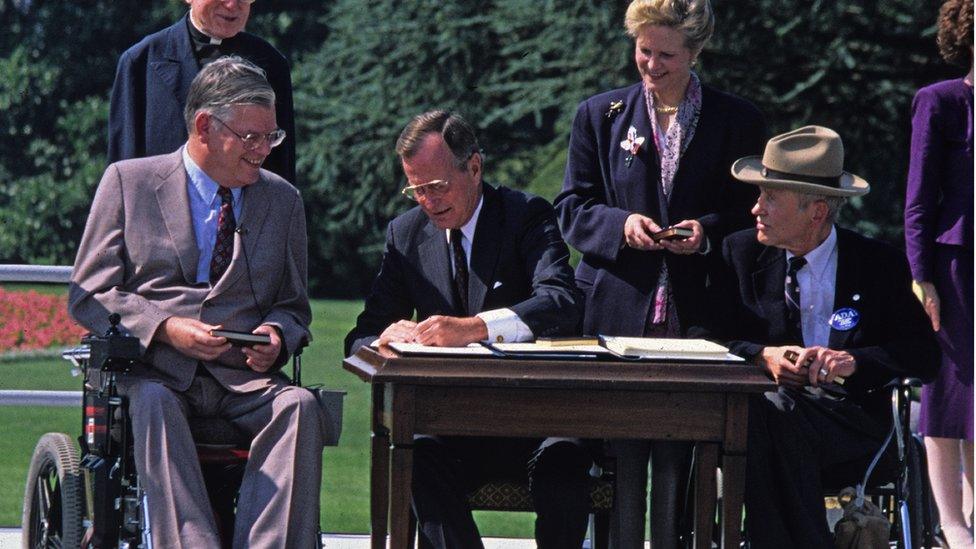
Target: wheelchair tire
pixel 53 499
pixel 915 494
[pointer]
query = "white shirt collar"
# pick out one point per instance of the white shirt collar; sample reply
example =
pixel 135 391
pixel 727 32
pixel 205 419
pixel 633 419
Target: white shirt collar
pixel 468 228
pixel 819 258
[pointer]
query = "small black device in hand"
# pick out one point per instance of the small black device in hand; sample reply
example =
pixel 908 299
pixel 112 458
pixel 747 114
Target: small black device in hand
pixel 242 339
pixel 673 233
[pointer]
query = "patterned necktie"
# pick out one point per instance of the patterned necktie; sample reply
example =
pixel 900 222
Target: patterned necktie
pixel 793 297
pixel 224 245
pixel 460 269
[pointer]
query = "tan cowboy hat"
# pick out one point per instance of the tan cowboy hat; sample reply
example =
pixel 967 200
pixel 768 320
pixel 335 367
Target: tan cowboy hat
pixel 807 160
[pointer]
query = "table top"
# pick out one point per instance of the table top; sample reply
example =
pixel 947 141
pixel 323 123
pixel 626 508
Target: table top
pixel 387 366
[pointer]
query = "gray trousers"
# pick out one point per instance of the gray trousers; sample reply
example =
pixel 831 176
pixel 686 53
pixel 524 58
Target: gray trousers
pixel 278 504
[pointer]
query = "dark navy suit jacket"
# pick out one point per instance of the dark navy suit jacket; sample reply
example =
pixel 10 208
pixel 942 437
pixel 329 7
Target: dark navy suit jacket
pixel 153 79
pixel 601 190
pixel 518 261
pixel 892 338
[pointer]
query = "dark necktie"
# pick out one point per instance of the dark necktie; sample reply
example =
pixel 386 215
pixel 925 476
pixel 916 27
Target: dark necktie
pixel 224 245
pixel 793 297
pixel 460 269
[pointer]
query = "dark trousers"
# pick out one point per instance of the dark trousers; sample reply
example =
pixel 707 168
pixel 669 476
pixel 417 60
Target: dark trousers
pixel 800 441
pixel 447 469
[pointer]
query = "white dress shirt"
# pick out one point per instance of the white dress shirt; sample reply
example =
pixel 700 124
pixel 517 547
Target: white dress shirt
pixel 503 324
pixel 818 281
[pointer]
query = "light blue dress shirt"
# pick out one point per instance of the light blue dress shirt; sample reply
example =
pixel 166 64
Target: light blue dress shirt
pixel 204 210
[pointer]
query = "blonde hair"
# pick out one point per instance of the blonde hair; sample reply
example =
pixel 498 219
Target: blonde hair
pixel 692 18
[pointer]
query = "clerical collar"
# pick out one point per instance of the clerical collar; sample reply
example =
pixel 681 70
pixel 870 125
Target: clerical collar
pixel 199 37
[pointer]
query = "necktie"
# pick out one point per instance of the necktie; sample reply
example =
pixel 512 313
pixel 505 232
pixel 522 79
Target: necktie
pixel 224 245
pixel 793 297
pixel 460 269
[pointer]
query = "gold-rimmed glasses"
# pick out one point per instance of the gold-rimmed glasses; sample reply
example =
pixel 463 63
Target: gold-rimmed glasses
pixel 436 187
pixel 252 140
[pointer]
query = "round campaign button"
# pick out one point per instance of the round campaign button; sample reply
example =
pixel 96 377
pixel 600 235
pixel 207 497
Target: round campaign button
pixel 844 319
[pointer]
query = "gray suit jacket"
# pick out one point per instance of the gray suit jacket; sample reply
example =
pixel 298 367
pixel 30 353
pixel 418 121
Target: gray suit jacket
pixel 138 258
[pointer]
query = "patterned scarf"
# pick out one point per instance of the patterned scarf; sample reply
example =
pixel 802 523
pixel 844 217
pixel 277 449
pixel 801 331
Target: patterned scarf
pixel 676 141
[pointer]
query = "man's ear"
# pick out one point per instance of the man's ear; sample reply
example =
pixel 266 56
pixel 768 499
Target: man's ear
pixel 474 165
pixel 202 124
pixel 820 211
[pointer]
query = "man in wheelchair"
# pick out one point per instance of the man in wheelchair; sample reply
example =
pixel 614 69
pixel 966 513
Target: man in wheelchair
pixel 830 317
pixel 187 243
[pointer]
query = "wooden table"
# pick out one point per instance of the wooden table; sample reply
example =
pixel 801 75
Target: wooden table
pixel 702 402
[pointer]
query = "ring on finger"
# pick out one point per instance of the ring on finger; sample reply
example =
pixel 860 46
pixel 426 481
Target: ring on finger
pixel 823 372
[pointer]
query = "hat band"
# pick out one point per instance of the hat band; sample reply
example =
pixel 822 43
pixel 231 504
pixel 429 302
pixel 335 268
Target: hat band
pixel 832 182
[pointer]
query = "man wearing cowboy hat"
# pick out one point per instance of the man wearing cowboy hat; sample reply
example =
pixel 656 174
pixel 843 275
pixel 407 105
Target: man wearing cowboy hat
pixel 840 301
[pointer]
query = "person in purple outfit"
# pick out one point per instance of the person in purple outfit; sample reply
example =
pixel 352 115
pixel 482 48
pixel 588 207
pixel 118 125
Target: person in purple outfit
pixel 939 241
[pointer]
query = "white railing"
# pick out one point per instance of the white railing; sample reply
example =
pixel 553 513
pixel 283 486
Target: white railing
pixel 53 274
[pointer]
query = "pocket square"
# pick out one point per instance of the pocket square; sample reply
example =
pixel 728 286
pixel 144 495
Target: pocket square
pixel 497 285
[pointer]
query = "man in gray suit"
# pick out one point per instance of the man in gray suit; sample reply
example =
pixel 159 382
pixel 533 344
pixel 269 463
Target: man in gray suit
pixel 184 243
pixel 476 263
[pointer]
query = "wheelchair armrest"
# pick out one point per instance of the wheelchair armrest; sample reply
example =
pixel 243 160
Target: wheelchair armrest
pixel 296 362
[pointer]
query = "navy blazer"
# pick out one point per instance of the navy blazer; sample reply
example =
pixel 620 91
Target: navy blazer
pixel 153 79
pixel 518 261
pixel 601 190
pixel 892 338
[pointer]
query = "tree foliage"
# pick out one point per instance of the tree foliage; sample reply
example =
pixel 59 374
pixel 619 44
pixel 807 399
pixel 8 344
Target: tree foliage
pixel 515 68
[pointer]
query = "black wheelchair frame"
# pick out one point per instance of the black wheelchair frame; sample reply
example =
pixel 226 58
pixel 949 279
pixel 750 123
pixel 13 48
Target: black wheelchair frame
pixel 93 499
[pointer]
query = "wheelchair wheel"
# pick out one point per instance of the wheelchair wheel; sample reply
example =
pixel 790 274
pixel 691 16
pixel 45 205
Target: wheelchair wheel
pixel 53 497
pixel 914 495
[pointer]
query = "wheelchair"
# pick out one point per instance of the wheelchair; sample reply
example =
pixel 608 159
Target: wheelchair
pixel 94 499
pixel 899 486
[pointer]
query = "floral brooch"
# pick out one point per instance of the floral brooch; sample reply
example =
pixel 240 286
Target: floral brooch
pixel 632 145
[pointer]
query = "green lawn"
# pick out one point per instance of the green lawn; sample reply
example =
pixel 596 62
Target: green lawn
pixel 345 486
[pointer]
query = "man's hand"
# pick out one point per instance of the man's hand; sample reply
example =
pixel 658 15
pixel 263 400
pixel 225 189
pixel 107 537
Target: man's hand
pixel 925 292
pixel 690 245
pixel 783 371
pixel 825 365
pixel 192 338
pixel 637 233
pixel 261 358
pixel 451 331
pixel 402 331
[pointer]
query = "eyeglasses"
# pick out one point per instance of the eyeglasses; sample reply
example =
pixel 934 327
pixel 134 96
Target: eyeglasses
pixel 436 187
pixel 252 141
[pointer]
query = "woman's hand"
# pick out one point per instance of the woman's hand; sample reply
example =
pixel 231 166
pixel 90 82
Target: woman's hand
pixel 637 233
pixel 690 245
pixel 925 292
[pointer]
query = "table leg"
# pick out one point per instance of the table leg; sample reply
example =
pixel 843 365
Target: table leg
pixel 379 489
pixel 706 460
pixel 733 486
pixel 401 405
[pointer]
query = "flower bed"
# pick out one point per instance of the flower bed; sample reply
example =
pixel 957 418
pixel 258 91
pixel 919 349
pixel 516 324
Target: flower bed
pixel 30 321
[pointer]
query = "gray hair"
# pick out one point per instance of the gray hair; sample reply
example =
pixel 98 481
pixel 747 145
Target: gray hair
pixel 456 132
pixel 834 204
pixel 226 82
pixel 692 18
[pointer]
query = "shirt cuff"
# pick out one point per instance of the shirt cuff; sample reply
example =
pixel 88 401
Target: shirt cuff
pixel 504 326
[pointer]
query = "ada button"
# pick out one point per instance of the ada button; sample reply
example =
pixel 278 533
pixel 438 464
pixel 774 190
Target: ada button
pixel 844 319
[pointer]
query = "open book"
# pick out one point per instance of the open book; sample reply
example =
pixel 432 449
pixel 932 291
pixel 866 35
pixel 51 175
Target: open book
pixel 663 348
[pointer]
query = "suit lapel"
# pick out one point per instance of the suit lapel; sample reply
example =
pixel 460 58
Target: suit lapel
pixel 174 207
pixel 845 288
pixel 177 65
pixel 485 248
pixel 254 212
pixel 436 263
pixel 643 194
pixel 768 282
